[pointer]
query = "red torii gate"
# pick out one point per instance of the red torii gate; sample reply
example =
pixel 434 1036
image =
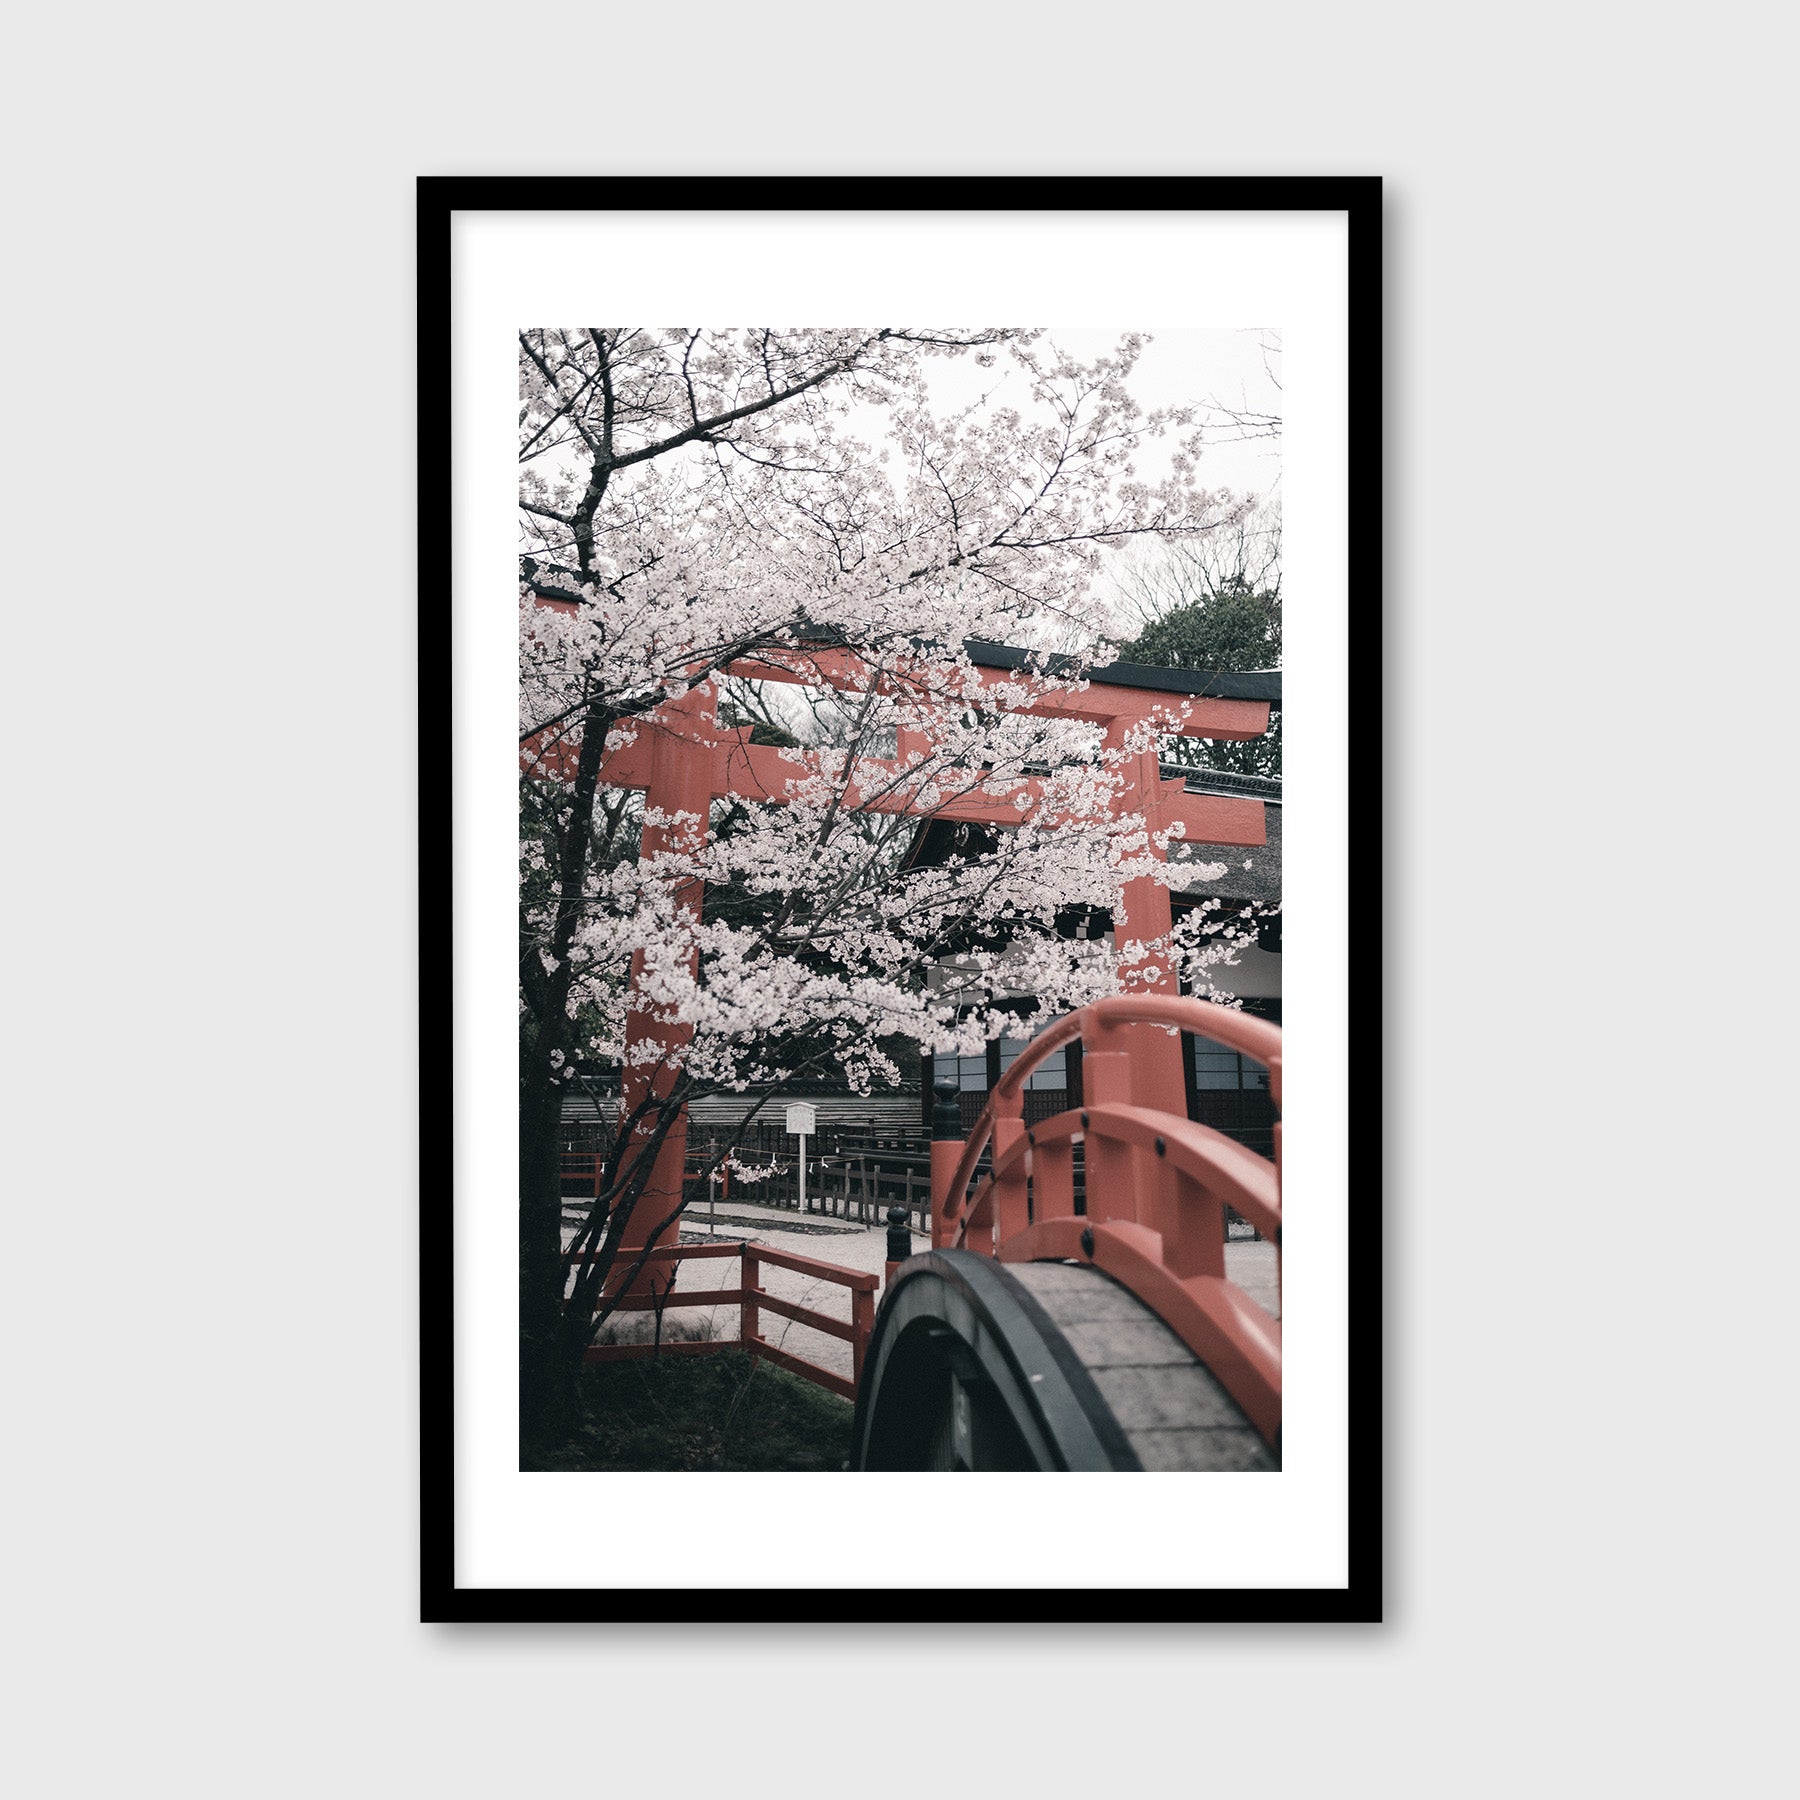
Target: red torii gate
pixel 683 759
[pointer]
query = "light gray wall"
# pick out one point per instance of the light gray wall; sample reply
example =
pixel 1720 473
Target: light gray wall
pixel 211 1439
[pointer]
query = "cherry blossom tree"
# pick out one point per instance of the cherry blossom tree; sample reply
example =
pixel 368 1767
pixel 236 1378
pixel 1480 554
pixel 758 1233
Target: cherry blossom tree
pixel 783 529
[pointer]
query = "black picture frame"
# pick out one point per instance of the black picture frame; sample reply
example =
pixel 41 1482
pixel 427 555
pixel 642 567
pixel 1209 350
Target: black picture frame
pixel 439 198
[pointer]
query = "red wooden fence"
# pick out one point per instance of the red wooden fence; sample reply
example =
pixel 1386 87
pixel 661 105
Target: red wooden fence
pixel 753 1300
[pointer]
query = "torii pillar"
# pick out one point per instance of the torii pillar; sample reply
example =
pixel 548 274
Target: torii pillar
pixel 683 738
pixel 1152 1072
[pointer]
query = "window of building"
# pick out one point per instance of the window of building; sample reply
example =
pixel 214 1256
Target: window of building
pixel 968 1072
pixel 1216 1066
pixel 1051 1075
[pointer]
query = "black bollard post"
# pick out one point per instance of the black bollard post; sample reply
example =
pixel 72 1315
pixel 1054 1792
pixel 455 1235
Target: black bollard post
pixel 946 1110
pixel 899 1244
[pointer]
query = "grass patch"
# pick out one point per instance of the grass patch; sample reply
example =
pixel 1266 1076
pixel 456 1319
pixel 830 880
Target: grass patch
pixel 720 1411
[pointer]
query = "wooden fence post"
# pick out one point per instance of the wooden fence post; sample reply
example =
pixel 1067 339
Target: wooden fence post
pixel 749 1319
pixel 862 1315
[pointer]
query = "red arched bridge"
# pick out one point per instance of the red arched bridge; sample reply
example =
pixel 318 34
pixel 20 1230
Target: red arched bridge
pixel 1094 1326
pixel 1075 1310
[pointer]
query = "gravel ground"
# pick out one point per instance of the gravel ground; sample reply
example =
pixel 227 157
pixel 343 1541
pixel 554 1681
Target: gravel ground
pixel 1250 1263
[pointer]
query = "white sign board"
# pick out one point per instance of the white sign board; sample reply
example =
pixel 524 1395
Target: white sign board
pixel 802 1115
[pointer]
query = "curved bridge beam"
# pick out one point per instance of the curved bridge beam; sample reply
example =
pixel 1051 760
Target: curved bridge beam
pixel 966 1371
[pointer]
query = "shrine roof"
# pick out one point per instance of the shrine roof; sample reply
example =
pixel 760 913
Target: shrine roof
pixel 1259 884
pixel 1225 781
pixel 1222 684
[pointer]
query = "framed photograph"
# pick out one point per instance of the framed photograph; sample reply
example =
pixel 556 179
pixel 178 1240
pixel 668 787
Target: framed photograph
pixel 868 632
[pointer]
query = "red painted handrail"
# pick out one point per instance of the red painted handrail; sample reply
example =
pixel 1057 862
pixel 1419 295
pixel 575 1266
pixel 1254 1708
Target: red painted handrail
pixel 1156 1222
pixel 1244 1032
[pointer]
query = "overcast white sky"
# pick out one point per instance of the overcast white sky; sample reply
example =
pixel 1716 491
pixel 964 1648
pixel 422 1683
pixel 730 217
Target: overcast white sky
pixel 1178 368
pixel 1186 366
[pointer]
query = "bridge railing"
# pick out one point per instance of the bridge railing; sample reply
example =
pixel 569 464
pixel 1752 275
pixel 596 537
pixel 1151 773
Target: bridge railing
pixel 1156 1186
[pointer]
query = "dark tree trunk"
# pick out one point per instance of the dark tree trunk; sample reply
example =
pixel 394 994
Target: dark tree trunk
pixel 546 1370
